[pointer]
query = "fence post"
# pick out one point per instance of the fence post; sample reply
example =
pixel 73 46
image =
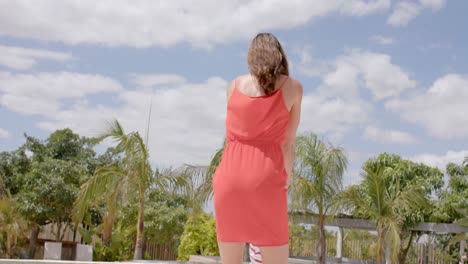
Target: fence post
pixel 425 255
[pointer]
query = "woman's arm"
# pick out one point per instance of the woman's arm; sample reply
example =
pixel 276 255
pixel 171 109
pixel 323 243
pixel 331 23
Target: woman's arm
pixel 294 118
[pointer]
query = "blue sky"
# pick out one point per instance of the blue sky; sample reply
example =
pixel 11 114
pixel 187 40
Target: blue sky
pixel 378 75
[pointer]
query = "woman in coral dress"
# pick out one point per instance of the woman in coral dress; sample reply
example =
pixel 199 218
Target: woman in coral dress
pixel 250 184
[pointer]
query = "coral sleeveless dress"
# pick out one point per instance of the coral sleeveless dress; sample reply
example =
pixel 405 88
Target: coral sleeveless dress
pixel 250 196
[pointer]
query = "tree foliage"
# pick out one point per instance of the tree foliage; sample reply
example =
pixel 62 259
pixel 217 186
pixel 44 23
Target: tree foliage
pixel 455 197
pixel 118 182
pixel 387 201
pixel 317 179
pixel 199 237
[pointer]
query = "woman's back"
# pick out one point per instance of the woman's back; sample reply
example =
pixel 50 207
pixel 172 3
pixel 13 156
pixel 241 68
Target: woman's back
pixel 249 185
pixel 262 118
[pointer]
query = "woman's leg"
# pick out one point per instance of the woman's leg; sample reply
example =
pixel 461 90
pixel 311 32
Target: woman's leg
pixel 275 255
pixel 231 253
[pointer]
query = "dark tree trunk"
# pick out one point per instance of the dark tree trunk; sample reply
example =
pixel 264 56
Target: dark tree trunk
pixel 402 255
pixel 32 241
pixel 380 245
pixel 140 228
pixel 322 243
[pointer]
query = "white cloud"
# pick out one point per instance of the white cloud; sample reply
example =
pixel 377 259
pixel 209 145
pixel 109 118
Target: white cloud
pixel 388 136
pixel 441 161
pixel 429 47
pixel 4 133
pixel 336 105
pixel 162 23
pixel 360 8
pixel 373 71
pixel 382 40
pixel 41 93
pixel 308 64
pixel 352 177
pixel 405 11
pixel 333 115
pixel 19 58
pixel 187 123
pixel 354 69
pixel 433 4
pixel 442 109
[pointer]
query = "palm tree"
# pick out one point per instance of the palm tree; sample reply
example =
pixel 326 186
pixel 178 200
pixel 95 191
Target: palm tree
pixel 380 198
pixel 195 182
pixel 317 178
pixel 216 160
pixel 197 187
pixel 1 185
pixel 117 181
pixel 12 224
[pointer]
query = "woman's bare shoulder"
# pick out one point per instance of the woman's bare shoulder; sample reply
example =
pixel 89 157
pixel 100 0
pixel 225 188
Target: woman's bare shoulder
pixel 240 79
pixel 294 87
pixel 236 82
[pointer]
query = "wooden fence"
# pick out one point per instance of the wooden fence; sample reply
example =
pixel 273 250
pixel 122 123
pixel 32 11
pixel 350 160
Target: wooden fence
pixel 161 252
pixel 427 253
pixel 366 249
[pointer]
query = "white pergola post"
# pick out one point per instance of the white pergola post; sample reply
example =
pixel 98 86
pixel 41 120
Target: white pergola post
pixel 339 243
pixel 463 257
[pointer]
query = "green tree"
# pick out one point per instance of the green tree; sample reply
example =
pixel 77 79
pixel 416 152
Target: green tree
pixel 195 185
pixel 165 212
pixel 12 165
pixel 57 164
pixel 48 192
pixel 115 182
pixel 165 216
pixel 385 201
pixel 405 173
pixel 452 203
pixel 455 197
pixel 317 179
pixel 199 237
pixel 463 222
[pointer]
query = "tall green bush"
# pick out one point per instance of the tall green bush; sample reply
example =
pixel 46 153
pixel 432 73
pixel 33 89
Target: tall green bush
pixel 199 237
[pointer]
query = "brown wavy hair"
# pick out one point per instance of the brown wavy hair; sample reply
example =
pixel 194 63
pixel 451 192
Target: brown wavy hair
pixel 267 61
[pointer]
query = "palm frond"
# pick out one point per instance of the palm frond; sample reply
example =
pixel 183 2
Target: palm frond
pixel 103 181
pixel 374 182
pixel 458 238
pixel 216 160
pixel 114 130
pixel 410 199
